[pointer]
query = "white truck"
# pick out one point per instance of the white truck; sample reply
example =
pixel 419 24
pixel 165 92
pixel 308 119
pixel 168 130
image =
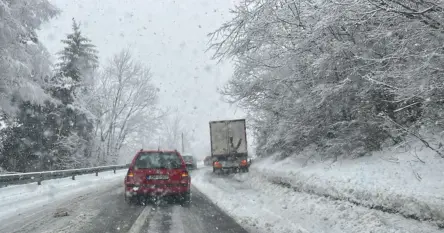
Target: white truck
pixel 229 146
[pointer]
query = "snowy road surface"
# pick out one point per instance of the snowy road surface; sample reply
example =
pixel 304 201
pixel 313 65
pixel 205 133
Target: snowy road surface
pixel 226 204
pixel 102 209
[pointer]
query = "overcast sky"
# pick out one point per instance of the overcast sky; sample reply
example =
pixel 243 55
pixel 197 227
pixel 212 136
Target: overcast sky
pixel 170 37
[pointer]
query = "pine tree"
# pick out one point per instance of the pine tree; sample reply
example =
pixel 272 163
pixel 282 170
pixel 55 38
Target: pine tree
pixel 77 62
pixel 20 144
pixel 78 56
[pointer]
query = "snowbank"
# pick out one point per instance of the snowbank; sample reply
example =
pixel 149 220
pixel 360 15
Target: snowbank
pixel 17 199
pixel 409 183
pixel 243 204
pixel 263 207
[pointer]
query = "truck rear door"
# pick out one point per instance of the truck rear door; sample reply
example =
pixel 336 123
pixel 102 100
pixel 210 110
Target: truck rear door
pixel 228 142
pixel 219 138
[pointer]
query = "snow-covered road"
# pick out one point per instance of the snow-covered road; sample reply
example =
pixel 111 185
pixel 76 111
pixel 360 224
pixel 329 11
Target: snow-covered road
pixel 262 206
pixel 95 204
pixel 20 200
pixel 29 204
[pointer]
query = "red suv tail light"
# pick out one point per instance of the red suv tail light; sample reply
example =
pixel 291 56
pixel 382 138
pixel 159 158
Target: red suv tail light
pixel 184 175
pixel 130 176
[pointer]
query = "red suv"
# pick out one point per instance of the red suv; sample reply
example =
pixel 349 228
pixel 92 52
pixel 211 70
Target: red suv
pixel 158 173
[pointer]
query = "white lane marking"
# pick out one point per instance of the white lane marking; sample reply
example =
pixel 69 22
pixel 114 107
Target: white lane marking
pixel 140 221
pixel 177 225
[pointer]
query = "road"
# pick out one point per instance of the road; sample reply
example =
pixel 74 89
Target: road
pixel 106 212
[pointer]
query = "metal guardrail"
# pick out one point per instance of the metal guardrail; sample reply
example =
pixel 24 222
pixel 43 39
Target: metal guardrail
pixel 23 178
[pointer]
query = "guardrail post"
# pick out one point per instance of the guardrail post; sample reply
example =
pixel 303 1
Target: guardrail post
pixel 73 177
pixel 40 179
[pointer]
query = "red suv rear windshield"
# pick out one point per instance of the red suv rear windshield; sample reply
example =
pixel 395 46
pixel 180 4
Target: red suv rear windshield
pixel 166 160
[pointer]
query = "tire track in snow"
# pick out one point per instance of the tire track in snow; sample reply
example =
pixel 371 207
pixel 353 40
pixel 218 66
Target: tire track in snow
pixel 166 220
pixel 158 220
pixel 176 218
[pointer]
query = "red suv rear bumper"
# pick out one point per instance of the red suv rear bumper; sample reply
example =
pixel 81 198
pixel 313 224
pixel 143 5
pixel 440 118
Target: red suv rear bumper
pixel 157 190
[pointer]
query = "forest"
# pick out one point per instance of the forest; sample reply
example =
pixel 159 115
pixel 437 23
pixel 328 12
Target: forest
pixel 74 112
pixel 341 78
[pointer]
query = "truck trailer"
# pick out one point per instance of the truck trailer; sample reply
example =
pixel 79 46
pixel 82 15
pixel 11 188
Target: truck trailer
pixel 229 151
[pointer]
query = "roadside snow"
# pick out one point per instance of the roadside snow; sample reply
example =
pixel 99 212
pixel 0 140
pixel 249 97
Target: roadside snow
pixel 409 183
pixel 18 199
pixel 262 206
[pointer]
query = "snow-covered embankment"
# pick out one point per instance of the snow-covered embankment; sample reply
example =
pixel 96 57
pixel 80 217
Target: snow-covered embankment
pixel 409 183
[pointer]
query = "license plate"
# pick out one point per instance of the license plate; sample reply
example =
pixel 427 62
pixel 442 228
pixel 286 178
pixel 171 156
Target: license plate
pixel 157 177
pixel 228 164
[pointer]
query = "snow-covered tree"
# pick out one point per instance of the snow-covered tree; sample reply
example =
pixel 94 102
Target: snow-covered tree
pixel 71 85
pixel 25 66
pixel 25 145
pixel 75 69
pixel 57 133
pixel 173 126
pixel 24 62
pixel 125 105
pixel 345 77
